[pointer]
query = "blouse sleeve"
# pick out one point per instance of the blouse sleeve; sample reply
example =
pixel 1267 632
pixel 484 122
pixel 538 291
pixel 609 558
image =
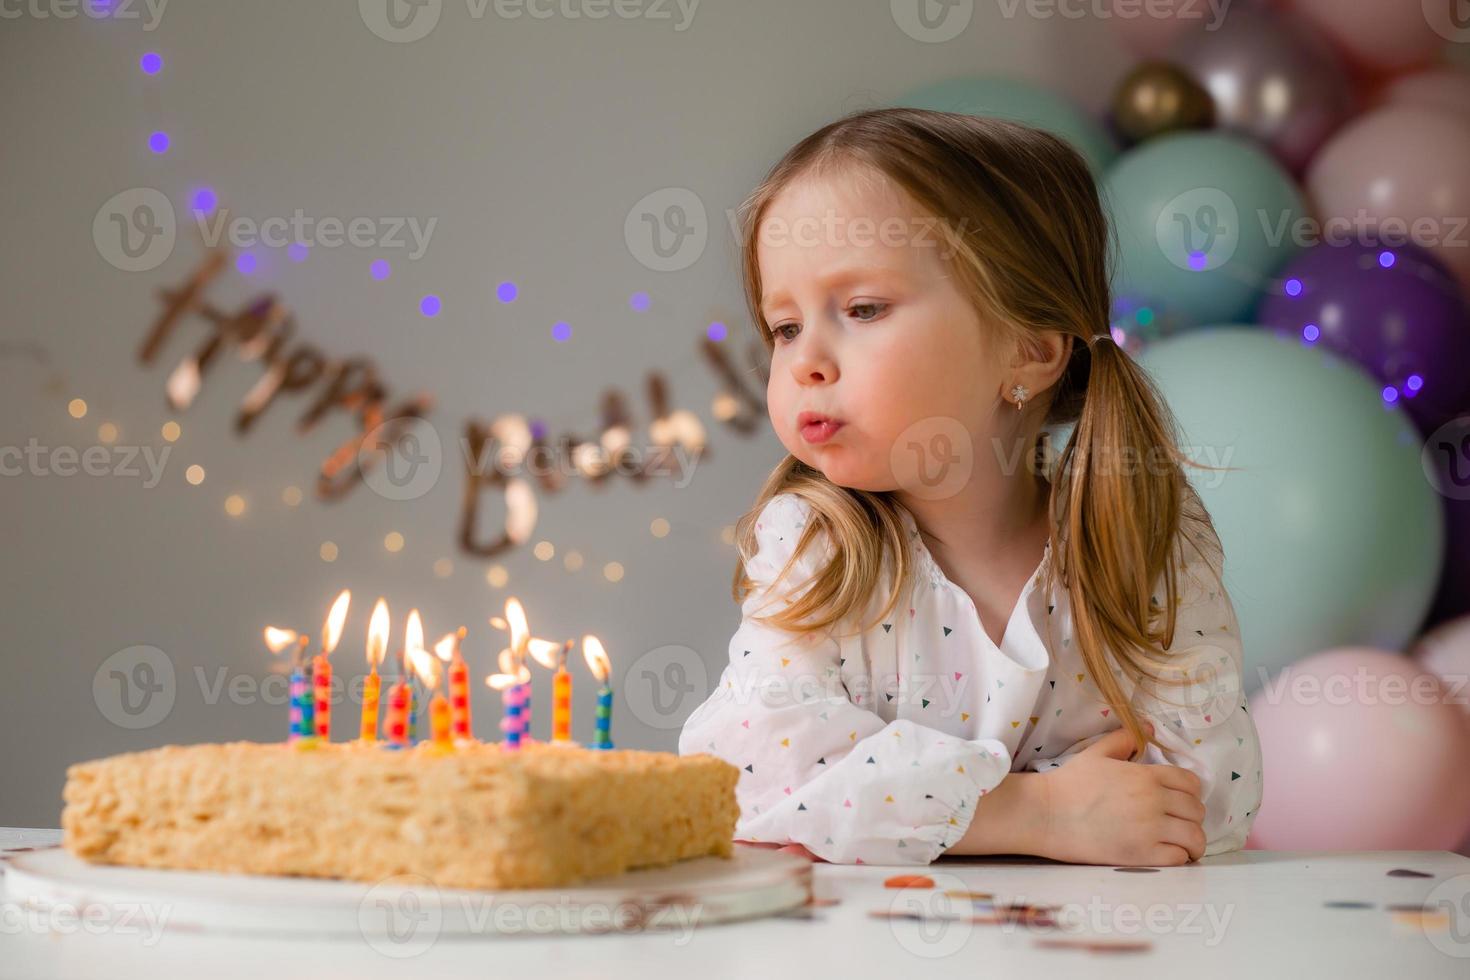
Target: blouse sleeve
pixel 1198 708
pixel 816 768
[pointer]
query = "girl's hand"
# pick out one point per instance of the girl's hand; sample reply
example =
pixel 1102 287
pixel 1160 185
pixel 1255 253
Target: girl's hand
pixel 1103 809
pixel 798 849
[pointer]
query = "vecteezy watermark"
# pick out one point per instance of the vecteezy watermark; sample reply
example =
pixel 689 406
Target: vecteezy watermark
pixel 401 462
pixel 323 232
pixel 149 11
pixel 937 21
pixel 122 462
pixel 403 916
pixel 1450 900
pixel 933 458
pixel 1199 229
pixel 1367 228
pixel 1445 458
pixel 1205 921
pixel 1450 19
pixel 667 230
pixel 659 684
pixel 135 687
pixel 1363 687
pixel 1211 12
pixel 405 21
pixel 569 458
pixel 134 230
pixel 932 21
pixel 93 918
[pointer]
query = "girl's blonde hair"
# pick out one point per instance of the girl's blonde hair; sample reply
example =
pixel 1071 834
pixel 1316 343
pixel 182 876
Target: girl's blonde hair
pixel 1019 217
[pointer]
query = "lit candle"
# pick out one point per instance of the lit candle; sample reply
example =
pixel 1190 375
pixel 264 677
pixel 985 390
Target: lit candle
pixel 601 667
pixel 377 648
pixel 430 672
pixel 448 649
pixel 511 683
pixel 514 673
pixel 277 641
pixel 321 668
pixel 400 705
pixel 561 697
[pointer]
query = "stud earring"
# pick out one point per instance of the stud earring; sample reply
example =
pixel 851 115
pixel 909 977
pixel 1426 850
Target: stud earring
pixel 1019 393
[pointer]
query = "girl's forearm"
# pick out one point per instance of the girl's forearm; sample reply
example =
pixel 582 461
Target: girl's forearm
pixel 1010 819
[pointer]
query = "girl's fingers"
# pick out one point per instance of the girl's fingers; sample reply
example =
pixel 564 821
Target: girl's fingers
pixel 1185 806
pixel 1177 777
pixel 1186 834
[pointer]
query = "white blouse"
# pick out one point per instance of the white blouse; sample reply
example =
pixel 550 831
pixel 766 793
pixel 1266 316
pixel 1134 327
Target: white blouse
pixel 875 748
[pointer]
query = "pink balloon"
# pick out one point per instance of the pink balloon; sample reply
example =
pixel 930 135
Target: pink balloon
pixel 1446 89
pixel 1382 35
pixel 1361 752
pixel 1149 35
pixel 1445 652
pixel 1406 170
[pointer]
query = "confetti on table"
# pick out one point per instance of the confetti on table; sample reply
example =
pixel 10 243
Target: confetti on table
pixel 1409 873
pixel 1347 904
pixel 820 903
pixel 1097 945
pixel 1137 871
pixel 909 881
pixel 972 896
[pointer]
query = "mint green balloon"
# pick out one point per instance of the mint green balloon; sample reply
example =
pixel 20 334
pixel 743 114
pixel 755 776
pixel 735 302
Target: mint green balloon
pixel 1020 102
pixel 1204 220
pixel 1333 537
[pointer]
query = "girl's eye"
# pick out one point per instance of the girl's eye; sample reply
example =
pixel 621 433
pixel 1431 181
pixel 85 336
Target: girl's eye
pixel 786 338
pixel 867 306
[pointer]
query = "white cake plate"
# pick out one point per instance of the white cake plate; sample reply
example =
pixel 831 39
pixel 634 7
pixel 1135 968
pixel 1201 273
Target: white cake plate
pixel 408 911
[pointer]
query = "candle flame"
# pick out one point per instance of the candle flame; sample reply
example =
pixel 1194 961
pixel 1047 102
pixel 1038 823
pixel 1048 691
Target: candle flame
pixel 546 652
pixel 277 640
pixel 499 623
pixel 377 642
pixel 332 631
pixel 425 666
pixel 413 633
pixel 597 659
pixel 503 680
pixel 448 646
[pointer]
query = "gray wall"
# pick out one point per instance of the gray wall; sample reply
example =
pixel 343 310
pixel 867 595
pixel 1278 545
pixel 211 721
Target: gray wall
pixel 529 141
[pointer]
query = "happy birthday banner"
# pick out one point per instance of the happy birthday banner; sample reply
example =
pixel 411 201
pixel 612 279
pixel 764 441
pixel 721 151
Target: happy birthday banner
pixel 263 330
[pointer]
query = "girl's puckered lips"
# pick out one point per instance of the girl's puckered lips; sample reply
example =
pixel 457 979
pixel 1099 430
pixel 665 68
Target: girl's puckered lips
pixel 816 427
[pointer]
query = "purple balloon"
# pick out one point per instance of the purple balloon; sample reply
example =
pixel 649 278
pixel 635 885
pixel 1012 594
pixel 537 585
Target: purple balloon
pixel 1395 310
pixel 1272 78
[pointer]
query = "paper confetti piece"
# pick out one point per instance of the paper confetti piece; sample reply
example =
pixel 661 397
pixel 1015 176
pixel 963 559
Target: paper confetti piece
pixel 909 881
pixel 1409 873
pixel 1096 945
pixel 1347 904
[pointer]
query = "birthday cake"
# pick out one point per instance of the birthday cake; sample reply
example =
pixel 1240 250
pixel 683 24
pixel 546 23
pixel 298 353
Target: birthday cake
pixel 480 817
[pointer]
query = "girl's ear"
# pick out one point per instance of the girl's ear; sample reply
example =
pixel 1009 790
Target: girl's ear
pixel 1041 359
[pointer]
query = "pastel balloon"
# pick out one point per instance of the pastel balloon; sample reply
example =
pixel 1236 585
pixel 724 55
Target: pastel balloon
pixel 1402 173
pixel 1023 102
pixel 1446 89
pixel 1383 35
pixel 1203 223
pixel 1397 312
pixel 1445 652
pixel 1333 535
pixel 1271 78
pixel 1362 751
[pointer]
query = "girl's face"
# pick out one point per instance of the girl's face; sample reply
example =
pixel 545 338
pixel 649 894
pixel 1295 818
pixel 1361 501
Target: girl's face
pixel 871 330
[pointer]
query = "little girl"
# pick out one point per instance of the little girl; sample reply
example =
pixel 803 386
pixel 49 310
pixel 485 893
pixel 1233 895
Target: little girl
pixel 949 641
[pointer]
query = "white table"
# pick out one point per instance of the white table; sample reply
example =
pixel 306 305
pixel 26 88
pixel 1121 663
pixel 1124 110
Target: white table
pixel 1249 914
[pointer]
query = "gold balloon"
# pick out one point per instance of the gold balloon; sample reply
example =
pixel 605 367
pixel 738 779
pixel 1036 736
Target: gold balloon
pixel 1157 98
